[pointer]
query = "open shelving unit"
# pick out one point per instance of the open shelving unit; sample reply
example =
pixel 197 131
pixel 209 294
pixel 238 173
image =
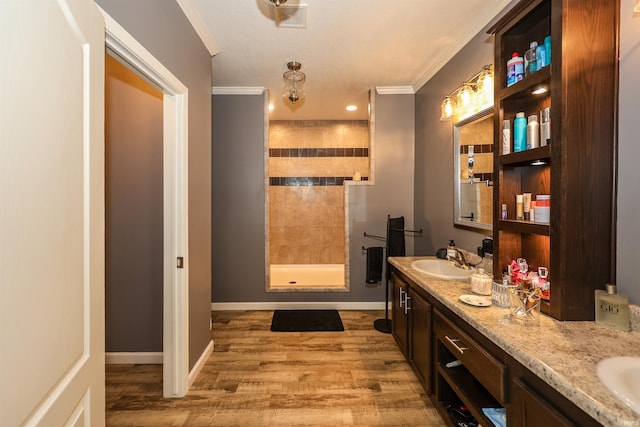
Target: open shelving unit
pixel 577 169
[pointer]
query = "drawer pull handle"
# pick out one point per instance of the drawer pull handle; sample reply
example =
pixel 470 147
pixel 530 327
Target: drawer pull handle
pixel 454 342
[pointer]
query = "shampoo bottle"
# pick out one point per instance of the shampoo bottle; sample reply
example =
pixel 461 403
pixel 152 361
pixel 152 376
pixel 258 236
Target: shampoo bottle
pixel 533 132
pixel 519 133
pixel 612 309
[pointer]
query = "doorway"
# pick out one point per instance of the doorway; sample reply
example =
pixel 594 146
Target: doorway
pixel 175 276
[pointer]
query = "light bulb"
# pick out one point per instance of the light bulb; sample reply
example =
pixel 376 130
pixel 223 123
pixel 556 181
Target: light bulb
pixel 447 108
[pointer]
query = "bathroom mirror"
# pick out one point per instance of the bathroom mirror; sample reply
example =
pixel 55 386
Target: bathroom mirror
pixel 473 171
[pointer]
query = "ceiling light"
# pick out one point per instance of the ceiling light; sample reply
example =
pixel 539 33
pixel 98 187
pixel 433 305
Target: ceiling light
pixel 351 108
pixel 277 2
pixel 294 80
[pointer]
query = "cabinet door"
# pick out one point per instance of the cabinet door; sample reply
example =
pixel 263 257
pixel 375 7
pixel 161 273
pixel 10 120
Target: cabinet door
pixel 420 332
pixel 532 410
pixel 399 314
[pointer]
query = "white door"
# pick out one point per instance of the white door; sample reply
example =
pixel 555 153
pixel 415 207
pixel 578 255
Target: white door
pixel 51 213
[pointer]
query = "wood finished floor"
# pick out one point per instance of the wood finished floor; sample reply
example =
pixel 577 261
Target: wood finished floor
pixel 256 377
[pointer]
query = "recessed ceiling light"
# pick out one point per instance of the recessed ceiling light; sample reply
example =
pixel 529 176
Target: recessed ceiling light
pixel 351 108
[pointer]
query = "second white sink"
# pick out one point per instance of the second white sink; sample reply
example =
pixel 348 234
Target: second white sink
pixel 441 269
pixel 621 375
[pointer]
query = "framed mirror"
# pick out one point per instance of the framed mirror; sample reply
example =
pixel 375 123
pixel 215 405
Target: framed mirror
pixel 473 171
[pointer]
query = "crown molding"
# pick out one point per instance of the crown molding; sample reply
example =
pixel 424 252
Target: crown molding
pixel 395 90
pixel 237 90
pixel 194 17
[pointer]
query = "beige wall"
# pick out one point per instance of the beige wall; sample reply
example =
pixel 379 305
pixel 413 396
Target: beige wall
pixel 308 162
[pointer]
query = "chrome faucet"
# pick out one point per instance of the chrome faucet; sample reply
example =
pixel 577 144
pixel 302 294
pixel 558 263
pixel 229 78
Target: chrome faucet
pixel 459 260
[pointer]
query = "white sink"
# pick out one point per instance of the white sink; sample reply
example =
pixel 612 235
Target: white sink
pixel 621 375
pixel 441 269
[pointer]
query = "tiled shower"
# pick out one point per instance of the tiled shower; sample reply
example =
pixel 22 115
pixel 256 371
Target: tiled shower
pixel 308 164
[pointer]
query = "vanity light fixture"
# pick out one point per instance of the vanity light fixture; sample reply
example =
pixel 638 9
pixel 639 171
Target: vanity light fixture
pixel 294 80
pixel 277 3
pixel 637 8
pixel 473 96
pixel 351 108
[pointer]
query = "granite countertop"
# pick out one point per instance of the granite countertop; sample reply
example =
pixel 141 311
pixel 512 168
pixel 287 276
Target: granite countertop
pixel 563 354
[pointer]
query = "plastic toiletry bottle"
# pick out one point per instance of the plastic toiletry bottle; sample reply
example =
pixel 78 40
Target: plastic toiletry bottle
pixel 612 309
pixel 541 57
pixel 526 206
pixel 533 132
pixel 515 69
pixel 519 206
pixel 547 48
pixel 451 250
pixel 545 126
pixel 506 137
pixel 519 133
pixel 530 62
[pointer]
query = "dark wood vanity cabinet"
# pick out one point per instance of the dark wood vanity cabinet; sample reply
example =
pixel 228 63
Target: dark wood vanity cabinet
pixel 536 404
pixel 411 327
pixel 577 168
pixel 431 336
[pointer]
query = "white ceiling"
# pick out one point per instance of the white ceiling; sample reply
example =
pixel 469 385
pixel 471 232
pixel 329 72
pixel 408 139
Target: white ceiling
pixel 347 47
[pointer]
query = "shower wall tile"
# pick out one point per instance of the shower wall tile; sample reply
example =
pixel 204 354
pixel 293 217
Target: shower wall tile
pixel 307 225
pixel 308 161
pixel 318 166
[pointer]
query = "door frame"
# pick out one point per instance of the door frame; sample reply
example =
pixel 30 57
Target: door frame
pixel 175 335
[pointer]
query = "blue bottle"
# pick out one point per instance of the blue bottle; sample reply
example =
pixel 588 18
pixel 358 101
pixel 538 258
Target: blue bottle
pixel 547 48
pixel 541 56
pixel 519 133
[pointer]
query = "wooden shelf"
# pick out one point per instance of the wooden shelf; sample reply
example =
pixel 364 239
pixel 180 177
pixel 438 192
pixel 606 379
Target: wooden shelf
pixel 525 227
pixel 526 157
pixel 469 391
pixel 523 88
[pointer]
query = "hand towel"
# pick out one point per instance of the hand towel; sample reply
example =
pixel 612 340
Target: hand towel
pixel 374 264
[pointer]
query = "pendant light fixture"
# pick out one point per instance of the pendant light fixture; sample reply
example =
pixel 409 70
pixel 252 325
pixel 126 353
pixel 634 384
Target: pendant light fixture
pixel 294 80
pixel 277 3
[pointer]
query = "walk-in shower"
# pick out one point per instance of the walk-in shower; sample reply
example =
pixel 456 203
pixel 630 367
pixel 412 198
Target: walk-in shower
pixel 308 162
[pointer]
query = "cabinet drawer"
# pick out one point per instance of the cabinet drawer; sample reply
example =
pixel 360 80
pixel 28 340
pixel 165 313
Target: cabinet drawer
pixel 486 368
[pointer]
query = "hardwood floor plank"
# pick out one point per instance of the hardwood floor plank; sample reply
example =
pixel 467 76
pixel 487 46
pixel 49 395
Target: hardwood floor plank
pixel 256 377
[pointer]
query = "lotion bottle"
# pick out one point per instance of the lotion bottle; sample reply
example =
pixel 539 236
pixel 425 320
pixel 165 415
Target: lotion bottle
pixel 612 309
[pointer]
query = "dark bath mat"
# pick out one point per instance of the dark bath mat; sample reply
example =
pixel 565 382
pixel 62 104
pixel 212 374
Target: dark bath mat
pixel 306 321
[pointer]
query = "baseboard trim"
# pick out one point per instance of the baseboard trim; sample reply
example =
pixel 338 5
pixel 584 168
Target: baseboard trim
pixel 200 363
pixel 229 306
pixel 133 358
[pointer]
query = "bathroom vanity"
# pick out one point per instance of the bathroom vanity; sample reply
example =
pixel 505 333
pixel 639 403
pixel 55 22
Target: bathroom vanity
pixel 542 375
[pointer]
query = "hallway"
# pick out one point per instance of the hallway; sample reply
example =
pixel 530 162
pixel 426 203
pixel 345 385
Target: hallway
pixel 256 377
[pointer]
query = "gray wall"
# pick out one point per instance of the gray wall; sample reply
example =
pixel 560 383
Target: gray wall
pixel 238 197
pixel 434 151
pixel 628 231
pixel 133 176
pixel 238 220
pixel 161 27
pixel 392 192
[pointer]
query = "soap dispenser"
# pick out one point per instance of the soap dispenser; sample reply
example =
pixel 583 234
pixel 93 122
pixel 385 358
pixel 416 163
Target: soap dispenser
pixel 451 250
pixel 612 309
